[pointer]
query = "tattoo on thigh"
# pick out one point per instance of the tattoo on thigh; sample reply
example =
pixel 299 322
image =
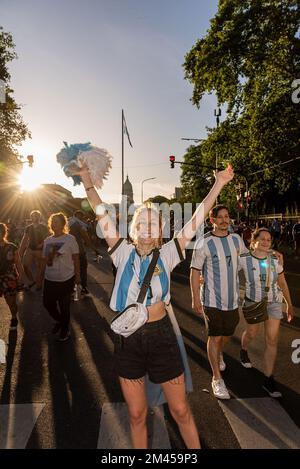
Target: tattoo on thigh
pixel 130 382
pixel 178 380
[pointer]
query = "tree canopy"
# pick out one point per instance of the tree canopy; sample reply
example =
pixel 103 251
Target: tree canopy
pixel 250 58
pixel 12 128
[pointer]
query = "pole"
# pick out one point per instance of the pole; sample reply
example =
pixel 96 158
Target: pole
pixel 217 115
pixel 122 192
pixel 142 193
pixel 247 208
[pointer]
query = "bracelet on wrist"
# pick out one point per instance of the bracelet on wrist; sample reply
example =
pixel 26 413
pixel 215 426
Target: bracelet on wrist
pixel 89 188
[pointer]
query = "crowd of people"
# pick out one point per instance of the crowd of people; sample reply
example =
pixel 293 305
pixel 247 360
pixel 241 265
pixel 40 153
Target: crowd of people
pixel 285 233
pixel 53 258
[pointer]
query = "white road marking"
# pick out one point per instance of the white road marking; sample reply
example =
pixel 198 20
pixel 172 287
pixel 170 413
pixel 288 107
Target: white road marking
pixel 261 423
pixel 16 424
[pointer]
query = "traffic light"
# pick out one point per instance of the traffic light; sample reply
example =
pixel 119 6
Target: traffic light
pixel 30 160
pixel 172 160
pixel 239 205
pixel 249 200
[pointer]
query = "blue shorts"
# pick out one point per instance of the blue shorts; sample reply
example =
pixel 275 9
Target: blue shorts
pixel 274 309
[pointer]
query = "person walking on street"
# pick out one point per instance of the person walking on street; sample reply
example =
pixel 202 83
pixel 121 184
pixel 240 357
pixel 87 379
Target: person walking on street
pixel 264 278
pixel 153 348
pixel 11 272
pixel 60 269
pixel 32 245
pixel 215 262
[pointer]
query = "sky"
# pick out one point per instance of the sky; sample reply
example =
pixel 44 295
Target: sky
pixel 81 61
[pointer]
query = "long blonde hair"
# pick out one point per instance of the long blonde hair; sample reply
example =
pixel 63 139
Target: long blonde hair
pixel 62 218
pixel 133 227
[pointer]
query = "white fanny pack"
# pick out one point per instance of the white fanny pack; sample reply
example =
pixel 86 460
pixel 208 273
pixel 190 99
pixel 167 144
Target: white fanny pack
pixel 135 315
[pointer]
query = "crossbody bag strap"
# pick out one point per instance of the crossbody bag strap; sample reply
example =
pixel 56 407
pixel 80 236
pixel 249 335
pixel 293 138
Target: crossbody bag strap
pixel 268 279
pixel 148 277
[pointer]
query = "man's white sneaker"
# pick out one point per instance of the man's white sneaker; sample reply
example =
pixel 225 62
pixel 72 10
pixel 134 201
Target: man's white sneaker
pixel 222 364
pixel 219 389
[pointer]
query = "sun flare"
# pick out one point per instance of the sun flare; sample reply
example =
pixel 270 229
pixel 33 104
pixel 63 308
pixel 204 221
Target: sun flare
pixel 28 180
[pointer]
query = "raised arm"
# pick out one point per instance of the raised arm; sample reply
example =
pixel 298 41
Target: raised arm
pixel 190 228
pixel 107 225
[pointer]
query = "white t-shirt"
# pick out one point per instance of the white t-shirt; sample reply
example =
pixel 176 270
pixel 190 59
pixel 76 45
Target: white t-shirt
pixel 132 268
pixel 59 251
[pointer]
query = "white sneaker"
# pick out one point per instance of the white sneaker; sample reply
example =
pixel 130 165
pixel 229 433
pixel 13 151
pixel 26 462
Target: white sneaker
pixel 219 389
pixel 222 364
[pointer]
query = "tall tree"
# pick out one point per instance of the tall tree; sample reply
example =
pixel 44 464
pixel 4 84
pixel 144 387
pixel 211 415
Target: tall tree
pixel 249 58
pixel 13 130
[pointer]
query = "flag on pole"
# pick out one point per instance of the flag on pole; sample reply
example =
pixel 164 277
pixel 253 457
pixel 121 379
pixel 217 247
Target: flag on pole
pixel 125 130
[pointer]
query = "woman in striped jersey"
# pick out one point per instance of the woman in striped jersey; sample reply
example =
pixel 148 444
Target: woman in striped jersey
pixel 153 349
pixel 255 266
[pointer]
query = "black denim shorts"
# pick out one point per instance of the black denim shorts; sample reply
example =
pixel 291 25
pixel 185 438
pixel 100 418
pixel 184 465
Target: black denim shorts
pixel 219 322
pixel 152 349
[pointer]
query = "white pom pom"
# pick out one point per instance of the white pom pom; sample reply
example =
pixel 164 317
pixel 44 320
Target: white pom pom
pixel 98 161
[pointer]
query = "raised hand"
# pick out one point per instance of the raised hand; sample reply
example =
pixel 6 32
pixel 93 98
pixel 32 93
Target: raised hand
pixel 225 176
pixel 74 170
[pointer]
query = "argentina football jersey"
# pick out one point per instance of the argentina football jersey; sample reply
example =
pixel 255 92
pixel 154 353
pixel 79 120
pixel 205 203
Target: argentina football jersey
pixel 255 271
pixel 217 258
pixel 132 268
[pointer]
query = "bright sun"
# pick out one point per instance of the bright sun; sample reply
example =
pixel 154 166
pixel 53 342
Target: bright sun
pixel 28 180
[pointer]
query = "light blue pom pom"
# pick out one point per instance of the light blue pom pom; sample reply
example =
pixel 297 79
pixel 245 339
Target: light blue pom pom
pixel 68 154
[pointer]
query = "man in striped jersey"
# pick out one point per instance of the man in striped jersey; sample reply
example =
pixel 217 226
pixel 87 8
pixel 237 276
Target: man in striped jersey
pixel 215 258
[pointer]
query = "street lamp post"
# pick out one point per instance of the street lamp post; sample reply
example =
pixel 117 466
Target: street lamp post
pixel 142 183
pixel 217 113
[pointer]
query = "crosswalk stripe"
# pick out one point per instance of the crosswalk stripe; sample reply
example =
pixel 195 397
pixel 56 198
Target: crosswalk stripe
pixel 261 423
pixel 114 430
pixel 16 424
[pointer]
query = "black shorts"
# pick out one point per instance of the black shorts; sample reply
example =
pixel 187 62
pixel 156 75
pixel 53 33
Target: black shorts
pixel 152 349
pixel 221 323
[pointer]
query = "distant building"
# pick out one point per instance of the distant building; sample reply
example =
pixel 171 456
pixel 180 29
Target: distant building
pixel 178 193
pixel 128 191
pixel 48 198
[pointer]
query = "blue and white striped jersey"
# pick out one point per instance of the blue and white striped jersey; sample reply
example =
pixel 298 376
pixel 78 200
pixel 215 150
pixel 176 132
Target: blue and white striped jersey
pixel 132 268
pixel 217 258
pixel 255 271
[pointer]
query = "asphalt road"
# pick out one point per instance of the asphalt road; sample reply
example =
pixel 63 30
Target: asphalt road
pixel 70 382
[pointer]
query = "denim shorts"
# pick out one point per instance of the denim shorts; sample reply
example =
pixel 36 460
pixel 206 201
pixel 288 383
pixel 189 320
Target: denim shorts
pixel 152 349
pixel 274 309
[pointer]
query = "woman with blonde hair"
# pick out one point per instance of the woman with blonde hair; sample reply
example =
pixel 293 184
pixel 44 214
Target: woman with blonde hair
pixel 60 268
pixel 153 348
pixel 11 271
pixel 264 280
